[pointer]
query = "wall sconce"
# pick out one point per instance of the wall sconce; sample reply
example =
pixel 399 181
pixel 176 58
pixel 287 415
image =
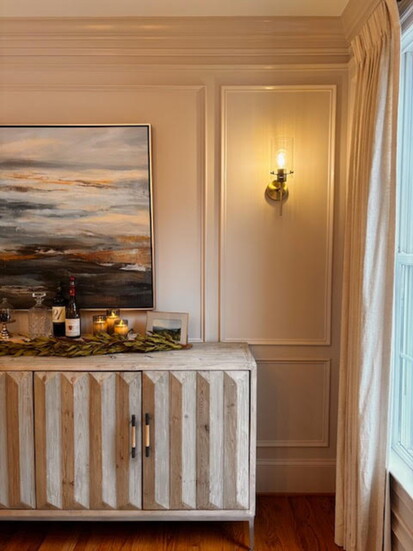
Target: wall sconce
pixel 282 155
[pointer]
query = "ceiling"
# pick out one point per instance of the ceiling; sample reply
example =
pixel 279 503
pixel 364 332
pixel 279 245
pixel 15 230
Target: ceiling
pixel 114 8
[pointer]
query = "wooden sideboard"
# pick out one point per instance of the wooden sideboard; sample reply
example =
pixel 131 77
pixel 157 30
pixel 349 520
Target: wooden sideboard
pixel 161 436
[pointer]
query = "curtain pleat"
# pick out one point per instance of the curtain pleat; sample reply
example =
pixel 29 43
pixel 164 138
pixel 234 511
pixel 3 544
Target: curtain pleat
pixel 368 287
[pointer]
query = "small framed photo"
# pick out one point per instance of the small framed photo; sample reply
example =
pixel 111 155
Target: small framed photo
pixel 174 324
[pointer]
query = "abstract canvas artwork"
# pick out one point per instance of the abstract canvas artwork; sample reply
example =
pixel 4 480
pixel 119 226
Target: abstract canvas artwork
pixel 76 200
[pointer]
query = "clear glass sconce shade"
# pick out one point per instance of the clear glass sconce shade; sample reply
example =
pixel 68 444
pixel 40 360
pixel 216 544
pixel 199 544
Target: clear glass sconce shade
pixel 282 155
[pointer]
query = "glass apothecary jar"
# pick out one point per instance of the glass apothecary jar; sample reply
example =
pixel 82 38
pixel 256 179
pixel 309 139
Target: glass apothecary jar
pixel 40 318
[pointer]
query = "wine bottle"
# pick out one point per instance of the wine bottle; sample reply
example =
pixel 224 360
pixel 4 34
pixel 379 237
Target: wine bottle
pixel 59 313
pixel 72 322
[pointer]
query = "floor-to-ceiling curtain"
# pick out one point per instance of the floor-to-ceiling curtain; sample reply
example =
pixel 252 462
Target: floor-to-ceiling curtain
pixel 368 286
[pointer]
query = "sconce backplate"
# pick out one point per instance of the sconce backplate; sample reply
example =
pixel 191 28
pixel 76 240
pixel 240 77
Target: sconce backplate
pixel 277 191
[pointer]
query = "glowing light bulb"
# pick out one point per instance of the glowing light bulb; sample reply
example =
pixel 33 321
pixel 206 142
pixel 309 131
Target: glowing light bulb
pixel 281 155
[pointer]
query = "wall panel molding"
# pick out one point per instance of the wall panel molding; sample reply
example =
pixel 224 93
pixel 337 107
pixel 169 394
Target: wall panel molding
pixel 202 182
pixel 200 130
pixel 227 195
pixel 109 88
pixel 323 441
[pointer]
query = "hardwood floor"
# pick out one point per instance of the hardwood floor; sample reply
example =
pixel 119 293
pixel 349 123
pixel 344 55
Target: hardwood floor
pixel 291 523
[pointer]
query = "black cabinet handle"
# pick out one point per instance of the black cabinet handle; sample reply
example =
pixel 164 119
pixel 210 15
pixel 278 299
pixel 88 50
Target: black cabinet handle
pixel 147 435
pixel 133 436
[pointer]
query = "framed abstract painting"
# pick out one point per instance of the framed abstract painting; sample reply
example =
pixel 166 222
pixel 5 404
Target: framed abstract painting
pixel 77 200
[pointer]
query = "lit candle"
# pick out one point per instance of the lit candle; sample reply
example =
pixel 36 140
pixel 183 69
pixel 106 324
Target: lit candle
pixel 121 327
pixel 111 316
pixel 99 324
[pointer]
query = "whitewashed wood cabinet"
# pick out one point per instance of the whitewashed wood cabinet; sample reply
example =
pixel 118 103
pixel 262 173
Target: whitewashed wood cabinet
pixel 163 436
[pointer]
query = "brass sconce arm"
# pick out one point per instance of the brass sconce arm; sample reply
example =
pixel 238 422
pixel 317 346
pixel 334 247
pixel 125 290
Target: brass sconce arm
pixel 277 190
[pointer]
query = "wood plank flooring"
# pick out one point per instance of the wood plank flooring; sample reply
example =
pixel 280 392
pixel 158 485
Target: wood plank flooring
pixel 290 523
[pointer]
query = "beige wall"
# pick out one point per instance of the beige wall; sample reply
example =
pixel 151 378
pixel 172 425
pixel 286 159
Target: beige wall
pixel 223 253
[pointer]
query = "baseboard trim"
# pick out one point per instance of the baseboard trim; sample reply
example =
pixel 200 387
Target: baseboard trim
pixel 296 476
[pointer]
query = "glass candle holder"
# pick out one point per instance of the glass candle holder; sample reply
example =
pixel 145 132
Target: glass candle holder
pixel 99 324
pixel 121 327
pixel 112 315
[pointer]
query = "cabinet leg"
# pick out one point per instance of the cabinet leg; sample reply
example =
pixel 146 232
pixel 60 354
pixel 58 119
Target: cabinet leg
pixel 251 526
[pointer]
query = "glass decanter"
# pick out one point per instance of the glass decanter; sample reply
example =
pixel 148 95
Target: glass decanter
pixel 40 323
pixel 6 316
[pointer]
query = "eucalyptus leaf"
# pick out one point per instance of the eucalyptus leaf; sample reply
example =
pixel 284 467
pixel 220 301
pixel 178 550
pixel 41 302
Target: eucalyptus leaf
pixel 91 345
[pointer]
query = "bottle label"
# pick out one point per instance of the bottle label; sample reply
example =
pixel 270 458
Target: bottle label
pixel 72 327
pixel 58 314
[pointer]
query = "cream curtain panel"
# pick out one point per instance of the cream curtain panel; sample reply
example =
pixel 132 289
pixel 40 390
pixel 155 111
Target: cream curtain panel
pixel 367 287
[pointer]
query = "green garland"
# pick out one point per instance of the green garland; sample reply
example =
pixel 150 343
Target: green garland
pixel 89 346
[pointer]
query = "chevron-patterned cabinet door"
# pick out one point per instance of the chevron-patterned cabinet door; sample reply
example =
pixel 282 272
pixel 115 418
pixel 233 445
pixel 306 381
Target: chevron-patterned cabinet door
pixel 196 440
pixel 16 441
pixel 84 437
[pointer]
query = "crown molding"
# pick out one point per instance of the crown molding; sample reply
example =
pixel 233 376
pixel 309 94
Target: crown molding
pixel 355 15
pixel 230 39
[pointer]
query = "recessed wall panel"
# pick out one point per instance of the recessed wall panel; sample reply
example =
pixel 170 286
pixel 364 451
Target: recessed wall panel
pixel 293 403
pixel 276 267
